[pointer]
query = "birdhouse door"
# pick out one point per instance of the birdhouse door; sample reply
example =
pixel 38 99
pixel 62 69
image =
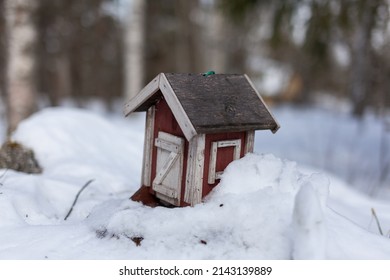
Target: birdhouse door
pixel 169 167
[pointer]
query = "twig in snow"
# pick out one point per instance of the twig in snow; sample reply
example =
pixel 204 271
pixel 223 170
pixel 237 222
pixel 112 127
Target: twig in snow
pixel 77 197
pixel 377 221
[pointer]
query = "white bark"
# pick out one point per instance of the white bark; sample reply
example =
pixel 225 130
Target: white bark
pixel 22 37
pixel 135 46
pixel 2 59
pixel 218 48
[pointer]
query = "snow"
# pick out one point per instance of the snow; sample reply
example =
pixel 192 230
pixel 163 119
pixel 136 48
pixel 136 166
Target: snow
pixel 334 141
pixel 265 207
pixel 309 230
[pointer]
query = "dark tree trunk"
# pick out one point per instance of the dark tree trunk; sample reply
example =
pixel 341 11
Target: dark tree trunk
pixel 361 58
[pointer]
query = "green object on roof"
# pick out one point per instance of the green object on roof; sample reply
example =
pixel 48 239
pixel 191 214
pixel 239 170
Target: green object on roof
pixel 208 73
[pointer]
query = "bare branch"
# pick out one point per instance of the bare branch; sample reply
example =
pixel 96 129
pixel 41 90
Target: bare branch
pixel 77 197
pixel 377 221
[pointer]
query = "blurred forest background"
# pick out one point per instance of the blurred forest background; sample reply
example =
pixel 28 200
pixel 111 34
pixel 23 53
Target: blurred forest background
pixel 296 51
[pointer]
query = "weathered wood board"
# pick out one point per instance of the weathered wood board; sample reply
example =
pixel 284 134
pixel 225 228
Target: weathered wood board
pixel 221 102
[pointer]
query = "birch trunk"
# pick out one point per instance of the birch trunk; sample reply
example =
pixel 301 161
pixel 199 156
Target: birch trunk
pixel 22 38
pixel 134 48
pixel 2 57
pixel 218 52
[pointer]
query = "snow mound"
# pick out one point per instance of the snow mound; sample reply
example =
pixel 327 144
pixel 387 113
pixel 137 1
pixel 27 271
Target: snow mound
pixel 66 139
pixel 73 146
pixel 309 232
pixel 247 216
pixel 76 145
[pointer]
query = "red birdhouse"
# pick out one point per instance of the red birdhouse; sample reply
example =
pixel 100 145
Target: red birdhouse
pixel 195 126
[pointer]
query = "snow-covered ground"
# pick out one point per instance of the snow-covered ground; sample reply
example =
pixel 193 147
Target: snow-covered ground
pixel 332 140
pixel 266 206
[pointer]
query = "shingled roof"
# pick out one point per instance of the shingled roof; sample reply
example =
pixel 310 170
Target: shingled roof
pixel 200 104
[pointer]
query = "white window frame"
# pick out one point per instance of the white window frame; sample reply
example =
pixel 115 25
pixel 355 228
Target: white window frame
pixel 216 175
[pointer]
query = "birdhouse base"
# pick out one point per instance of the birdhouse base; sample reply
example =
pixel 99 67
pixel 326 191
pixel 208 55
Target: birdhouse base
pixel 144 196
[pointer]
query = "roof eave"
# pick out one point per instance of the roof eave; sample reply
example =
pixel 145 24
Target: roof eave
pixel 160 82
pixel 239 128
pixel 176 108
pixel 134 103
pixel 276 128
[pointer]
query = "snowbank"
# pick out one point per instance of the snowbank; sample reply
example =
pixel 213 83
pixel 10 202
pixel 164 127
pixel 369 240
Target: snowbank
pixel 247 219
pixel 80 144
pixel 264 207
pixel 354 149
pixel 309 229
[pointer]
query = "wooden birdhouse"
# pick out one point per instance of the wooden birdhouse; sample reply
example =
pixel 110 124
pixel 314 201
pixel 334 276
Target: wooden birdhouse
pixel 195 126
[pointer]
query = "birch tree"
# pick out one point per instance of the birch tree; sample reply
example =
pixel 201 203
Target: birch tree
pixel 22 37
pixel 134 48
pixel 217 35
pixel 2 56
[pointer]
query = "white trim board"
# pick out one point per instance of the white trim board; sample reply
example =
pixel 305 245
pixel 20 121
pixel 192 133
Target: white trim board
pixel 176 108
pixel 141 97
pixel 213 174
